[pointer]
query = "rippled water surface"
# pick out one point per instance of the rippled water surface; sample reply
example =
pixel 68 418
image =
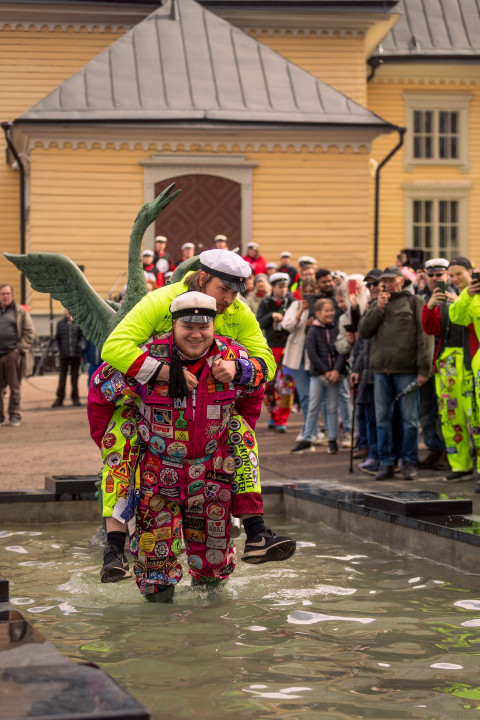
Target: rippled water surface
pixel 342 630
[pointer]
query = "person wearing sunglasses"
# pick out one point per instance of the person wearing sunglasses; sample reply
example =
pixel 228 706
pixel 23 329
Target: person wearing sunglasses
pixel 436 278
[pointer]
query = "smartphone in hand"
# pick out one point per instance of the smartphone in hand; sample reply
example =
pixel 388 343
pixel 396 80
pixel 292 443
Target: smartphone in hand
pixel 352 287
pixel 476 278
pixel 441 284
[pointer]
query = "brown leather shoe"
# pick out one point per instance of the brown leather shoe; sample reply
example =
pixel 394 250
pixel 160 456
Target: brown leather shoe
pixel 431 459
pixel 360 454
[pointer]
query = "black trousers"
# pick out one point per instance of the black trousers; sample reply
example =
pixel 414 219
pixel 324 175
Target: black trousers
pixel 74 364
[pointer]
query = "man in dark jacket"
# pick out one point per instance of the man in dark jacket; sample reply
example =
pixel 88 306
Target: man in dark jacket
pixel 269 315
pixel 71 344
pixel 401 360
pixel 16 337
pixel 362 376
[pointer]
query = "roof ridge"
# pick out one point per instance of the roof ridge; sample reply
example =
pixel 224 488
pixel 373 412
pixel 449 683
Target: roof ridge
pixel 208 70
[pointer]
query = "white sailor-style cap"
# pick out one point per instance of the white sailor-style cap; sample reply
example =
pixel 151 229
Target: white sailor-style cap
pixel 160 238
pixel 285 253
pixel 231 268
pixel 272 266
pixel 279 277
pixel 253 245
pixel 222 238
pixel 194 307
pixel 147 252
pixel 307 260
pixel 436 264
pixel 187 245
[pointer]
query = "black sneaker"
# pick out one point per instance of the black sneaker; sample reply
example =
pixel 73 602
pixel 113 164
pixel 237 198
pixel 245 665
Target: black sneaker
pixel 57 403
pixel 303 446
pixel 459 476
pixel 409 471
pixel 266 547
pixel 115 566
pixel 164 595
pixel 332 447
pixel 385 472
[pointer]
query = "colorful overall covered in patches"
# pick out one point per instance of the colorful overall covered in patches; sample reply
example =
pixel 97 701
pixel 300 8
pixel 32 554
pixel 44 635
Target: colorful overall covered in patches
pixel 199 464
pixel 454 385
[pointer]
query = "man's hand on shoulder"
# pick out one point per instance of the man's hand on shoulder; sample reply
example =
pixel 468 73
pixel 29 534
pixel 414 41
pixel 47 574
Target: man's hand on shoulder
pixel 224 370
pixel 190 379
pixel 164 374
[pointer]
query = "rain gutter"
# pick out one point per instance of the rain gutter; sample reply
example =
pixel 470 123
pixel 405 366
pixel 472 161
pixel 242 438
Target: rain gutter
pixel 21 168
pixel 401 131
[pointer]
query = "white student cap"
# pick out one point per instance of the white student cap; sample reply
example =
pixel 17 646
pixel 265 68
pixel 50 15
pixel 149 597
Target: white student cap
pixel 187 245
pixel 272 266
pixel 286 254
pixel 223 238
pixel 194 307
pixel 279 277
pixel 306 260
pixel 436 264
pixel 160 238
pixel 231 268
pixel 147 252
pixel 253 245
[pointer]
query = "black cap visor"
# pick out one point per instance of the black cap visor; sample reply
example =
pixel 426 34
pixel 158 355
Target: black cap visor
pixel 231 281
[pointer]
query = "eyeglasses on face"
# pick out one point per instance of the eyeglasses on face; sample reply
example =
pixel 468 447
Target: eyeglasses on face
pixel 374 283
pixel 436 274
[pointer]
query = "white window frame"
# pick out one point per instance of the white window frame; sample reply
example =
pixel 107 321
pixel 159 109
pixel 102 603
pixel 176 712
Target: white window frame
pixel 453 102
pixel 162 166
pixel 437 192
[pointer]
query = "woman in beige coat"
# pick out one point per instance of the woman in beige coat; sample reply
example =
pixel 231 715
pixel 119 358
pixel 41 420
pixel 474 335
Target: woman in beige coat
pixel 296 321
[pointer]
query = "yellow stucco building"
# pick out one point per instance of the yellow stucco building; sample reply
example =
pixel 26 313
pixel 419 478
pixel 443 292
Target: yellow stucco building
pixel 273 120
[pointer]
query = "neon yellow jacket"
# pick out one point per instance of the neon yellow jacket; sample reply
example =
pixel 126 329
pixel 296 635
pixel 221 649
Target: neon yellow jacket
pixel 152 315
pixel 466 310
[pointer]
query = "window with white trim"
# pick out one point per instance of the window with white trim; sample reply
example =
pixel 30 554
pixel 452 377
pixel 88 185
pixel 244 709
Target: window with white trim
pixel 437 219
pixel 438 127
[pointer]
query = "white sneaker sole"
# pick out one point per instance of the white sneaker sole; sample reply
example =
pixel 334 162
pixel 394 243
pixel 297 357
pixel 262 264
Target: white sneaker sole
pixel 275 553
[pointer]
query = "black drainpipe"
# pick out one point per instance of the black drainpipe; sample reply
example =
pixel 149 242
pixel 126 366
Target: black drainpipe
pixel 6 129
pixel 374 63
pixel 401 131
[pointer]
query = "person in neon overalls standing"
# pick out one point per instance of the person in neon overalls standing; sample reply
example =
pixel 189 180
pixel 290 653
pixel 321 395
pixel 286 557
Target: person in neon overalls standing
pixel 460 375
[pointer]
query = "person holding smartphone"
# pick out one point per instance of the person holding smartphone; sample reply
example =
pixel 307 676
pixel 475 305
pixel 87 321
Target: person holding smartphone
pixel 464 311
pixel 436 284
pixel 401 358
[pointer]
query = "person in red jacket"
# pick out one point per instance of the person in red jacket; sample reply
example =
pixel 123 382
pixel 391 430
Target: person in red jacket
pixel 150 270
pixel 453 373
pixel 255 260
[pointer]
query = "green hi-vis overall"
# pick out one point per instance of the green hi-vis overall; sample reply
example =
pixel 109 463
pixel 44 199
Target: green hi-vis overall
pixel 458 408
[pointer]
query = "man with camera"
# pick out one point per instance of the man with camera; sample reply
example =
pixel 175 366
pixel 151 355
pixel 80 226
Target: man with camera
pixel 401 360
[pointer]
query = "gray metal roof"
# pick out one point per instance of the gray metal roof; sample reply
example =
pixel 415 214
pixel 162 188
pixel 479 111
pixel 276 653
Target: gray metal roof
pixel 434 28
pixel 183 63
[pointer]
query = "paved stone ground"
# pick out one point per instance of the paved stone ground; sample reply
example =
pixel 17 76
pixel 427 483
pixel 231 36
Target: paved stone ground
pixel 57 442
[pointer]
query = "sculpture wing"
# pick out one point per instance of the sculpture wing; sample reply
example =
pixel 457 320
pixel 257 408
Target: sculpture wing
pixel 57 275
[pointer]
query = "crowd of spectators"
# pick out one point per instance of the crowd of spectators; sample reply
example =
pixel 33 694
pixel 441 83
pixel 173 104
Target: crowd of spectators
pixel 396 346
